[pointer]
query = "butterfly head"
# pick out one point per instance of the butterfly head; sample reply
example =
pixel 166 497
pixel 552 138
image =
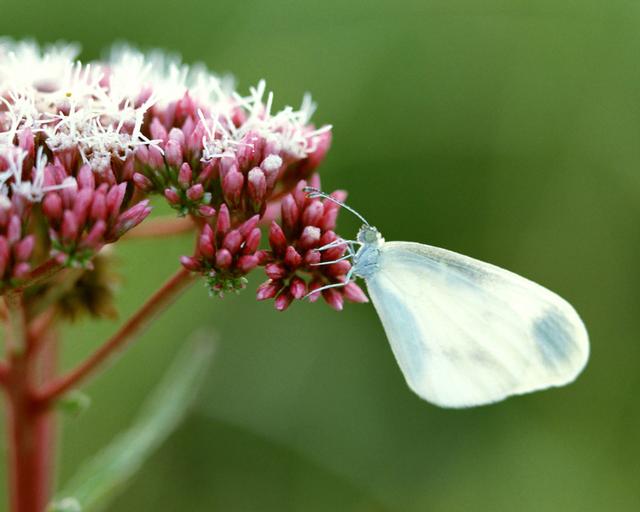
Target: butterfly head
pixel 368 235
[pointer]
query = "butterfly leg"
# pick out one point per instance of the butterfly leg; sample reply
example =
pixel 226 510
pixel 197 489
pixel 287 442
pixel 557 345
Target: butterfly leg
pixel 346 281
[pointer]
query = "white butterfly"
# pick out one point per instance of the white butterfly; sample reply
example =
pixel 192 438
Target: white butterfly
pixel 465 332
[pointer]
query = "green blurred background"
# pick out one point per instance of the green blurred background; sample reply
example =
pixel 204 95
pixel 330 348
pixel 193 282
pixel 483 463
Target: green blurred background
pixel 504 129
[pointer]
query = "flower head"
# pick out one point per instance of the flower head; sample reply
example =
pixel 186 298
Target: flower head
pixel 295 265
pixel 225 255
pixel 84 146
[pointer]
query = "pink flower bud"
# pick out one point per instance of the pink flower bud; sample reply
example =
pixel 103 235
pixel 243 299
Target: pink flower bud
pixel 252 241
pixel 228 164
pixel 223 259
pixel 52 207
pixel 190 263
pixel 206 248
pixel 312 214
pixel 85 177
pixel 23 249
pixel 312 258
pixel 332 253
pixel 194 139
pixel 338 269
pixel 334 298
pixel 176 135
pixel 82 205
pixel 69 229
pixel 142 182
pixel 247 150
pixel 277 240
pixel 128 168
pixel 256 186
pixel 283 301
pixel 172 196
pixel 187 128
pixel 268 290
pixel 209 171
pixel 247 263
pixel 354 293
pixel 291 258
pixel 132 217
pixel 300 195
pixel 99 206
pixel 223 223
pixel 275 270
pixel 14 230
pixel 95 237
pixel 232 241
pixel 185 175
pixel 289 213
pixel 206 211
pixel 248 226
pixel 158 132
pixel 142 154
pixel 50 176
pixel 314 296
pixel 173 153
pixel 232 185
pixel 196 192
pixel 263 257
pixel 298 288
pixel 185 107
pixel 156 160
pixel 115 196
pixel 310 237
pixel 208 233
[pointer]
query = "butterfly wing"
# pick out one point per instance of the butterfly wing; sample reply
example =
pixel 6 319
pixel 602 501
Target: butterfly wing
pixel 467 333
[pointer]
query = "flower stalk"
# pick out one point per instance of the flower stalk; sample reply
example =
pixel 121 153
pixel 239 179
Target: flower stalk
pixel 28 424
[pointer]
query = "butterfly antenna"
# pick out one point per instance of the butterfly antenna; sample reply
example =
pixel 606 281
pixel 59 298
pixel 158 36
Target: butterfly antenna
pixel 313 192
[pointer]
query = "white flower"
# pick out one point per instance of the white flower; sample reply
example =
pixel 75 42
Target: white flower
pixel 132 72
pixel 32 190
pixel 48 91
pixel 286 129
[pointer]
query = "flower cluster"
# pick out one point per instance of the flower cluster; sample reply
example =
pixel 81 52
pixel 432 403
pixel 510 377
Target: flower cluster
pixel 84 146
pixel 224 255
pixel 307 225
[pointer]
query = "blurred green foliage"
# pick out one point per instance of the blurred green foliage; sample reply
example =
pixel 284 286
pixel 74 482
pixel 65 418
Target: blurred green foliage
pixel 506 130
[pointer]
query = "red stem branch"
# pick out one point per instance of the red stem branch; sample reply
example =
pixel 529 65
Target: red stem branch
pixel 162 298
pixel 41 273
pixel 4 374
pixel 161 227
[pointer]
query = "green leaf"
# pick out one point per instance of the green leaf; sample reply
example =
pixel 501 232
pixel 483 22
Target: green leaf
pixel 101 478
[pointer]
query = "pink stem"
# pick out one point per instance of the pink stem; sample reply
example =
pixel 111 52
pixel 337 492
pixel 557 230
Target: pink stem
pixel 29 471
pixel 161 227
pixel 160 300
